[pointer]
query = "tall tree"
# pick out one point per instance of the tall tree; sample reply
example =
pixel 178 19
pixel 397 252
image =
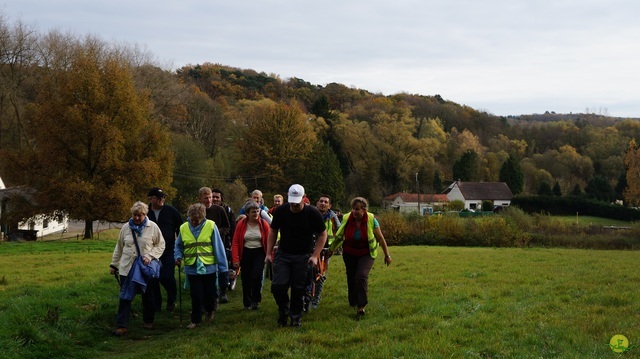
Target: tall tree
pixel 275 145
pixel 545 189
pixel 556 190
pixel 512 174
pixel 323 175
pixel 632 162
pixel 599 188
pixel 92 150
pixel 466 168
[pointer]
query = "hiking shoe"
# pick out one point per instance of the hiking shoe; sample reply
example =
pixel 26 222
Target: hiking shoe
pixel 147 325
pixel 360 312
pixel 255 306
pixel 192 325
pixel 171 307
pixel 224 299
pixel 120 332
pixel 282 320
pixel 296 322
pixel 209 317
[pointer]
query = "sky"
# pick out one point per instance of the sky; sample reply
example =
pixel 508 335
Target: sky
pixel 505 57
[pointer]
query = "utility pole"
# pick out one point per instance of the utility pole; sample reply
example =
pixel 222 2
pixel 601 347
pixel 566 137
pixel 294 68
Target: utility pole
pixel 418 190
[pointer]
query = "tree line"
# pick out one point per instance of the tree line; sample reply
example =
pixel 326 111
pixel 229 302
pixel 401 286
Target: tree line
pixel 92 125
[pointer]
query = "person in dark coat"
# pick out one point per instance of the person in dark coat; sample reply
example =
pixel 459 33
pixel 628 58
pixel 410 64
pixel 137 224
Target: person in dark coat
pixel 169 220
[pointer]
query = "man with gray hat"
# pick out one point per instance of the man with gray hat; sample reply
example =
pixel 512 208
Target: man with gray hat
pixel 169 220
pixel 297 225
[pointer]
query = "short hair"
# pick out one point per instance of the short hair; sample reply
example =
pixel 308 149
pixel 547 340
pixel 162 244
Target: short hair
pixel 197 208
pixel 140 208
pixel 204 190
pixel 325 196
pixel 217 190
pixel 360 200
pixel 249 205
pixel 256 191
pixel 278 196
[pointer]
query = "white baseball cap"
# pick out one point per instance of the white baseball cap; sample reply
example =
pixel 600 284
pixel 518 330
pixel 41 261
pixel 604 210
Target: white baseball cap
pixel 296 192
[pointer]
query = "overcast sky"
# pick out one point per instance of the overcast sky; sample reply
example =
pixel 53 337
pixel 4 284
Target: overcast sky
pixel 506 57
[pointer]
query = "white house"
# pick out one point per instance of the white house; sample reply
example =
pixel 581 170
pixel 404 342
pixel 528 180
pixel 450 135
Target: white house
pixel 474 193
pixel 32 228
pixel 408 202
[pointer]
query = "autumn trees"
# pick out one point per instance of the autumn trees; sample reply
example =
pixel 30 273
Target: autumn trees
pixel 91 149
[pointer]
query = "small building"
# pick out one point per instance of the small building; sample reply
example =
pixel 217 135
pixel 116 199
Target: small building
pixel 37 226
pixel 474 193
pixel 408 202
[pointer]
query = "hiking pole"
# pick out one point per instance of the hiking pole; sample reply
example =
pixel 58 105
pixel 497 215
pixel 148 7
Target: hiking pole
pixel 180 292
pixel 116 274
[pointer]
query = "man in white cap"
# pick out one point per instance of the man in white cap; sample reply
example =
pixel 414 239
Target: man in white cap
pixel 297 225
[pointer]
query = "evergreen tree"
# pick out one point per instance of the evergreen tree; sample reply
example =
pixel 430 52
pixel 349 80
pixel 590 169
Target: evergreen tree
pixel 466 168
pixel 600 189
pixel 512 174
pixel 545 189
pixel 556 190
pixel 576 191
pixel 324 175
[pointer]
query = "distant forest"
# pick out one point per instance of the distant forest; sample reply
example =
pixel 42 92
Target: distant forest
pixel 240 129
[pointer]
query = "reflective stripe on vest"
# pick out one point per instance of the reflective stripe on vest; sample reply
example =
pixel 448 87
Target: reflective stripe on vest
pixel 200 247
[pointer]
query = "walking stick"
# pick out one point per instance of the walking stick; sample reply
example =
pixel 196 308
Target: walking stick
pixel 180 292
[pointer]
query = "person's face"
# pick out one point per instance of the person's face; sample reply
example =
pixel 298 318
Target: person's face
pixel 323 204
pixel 257 198
pixel 217 198
pixel 206 199
pixel 277 201
pixel 156 202
pixel 296 207
pixel 138 218
pixel 195 219
pixel 358 211
pixel 254 214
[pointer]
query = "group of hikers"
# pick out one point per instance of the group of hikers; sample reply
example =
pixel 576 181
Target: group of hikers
pixel 290 242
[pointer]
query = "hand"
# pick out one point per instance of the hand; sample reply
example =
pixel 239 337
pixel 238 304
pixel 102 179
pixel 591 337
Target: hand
pixel 146 260
pixel 388 260
pixel 313 260
pixel 112 270
pixel 178 262
pixel 268 259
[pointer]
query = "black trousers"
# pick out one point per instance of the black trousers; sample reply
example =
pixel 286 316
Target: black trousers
pixel 252 267
pixel 124 306
pixel 290 271
pixel 202 288
pixel 168 281
pixel 358 269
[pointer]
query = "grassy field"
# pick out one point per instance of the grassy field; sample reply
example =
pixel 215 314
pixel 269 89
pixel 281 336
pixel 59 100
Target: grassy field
pixel 590 220
pixel 57 299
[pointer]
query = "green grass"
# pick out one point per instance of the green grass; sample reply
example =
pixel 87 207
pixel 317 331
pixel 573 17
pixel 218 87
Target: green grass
pixel 436 302
pixel 590 220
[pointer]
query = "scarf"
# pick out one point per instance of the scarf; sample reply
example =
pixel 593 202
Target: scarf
pixel 136 228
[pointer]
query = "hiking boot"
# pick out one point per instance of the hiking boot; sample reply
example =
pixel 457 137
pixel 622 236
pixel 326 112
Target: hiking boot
pixel 360 312
pixel 120 332
pixel 147 325
pixel 171 307
pixel 224 299
pixel 209 317
pixel 192 325
pixel 282 320
pixel 296 322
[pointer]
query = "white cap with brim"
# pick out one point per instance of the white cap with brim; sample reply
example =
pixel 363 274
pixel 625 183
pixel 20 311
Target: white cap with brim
pixel 296 192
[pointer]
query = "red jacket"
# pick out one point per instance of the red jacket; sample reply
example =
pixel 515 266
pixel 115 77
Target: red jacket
pixel 237 245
